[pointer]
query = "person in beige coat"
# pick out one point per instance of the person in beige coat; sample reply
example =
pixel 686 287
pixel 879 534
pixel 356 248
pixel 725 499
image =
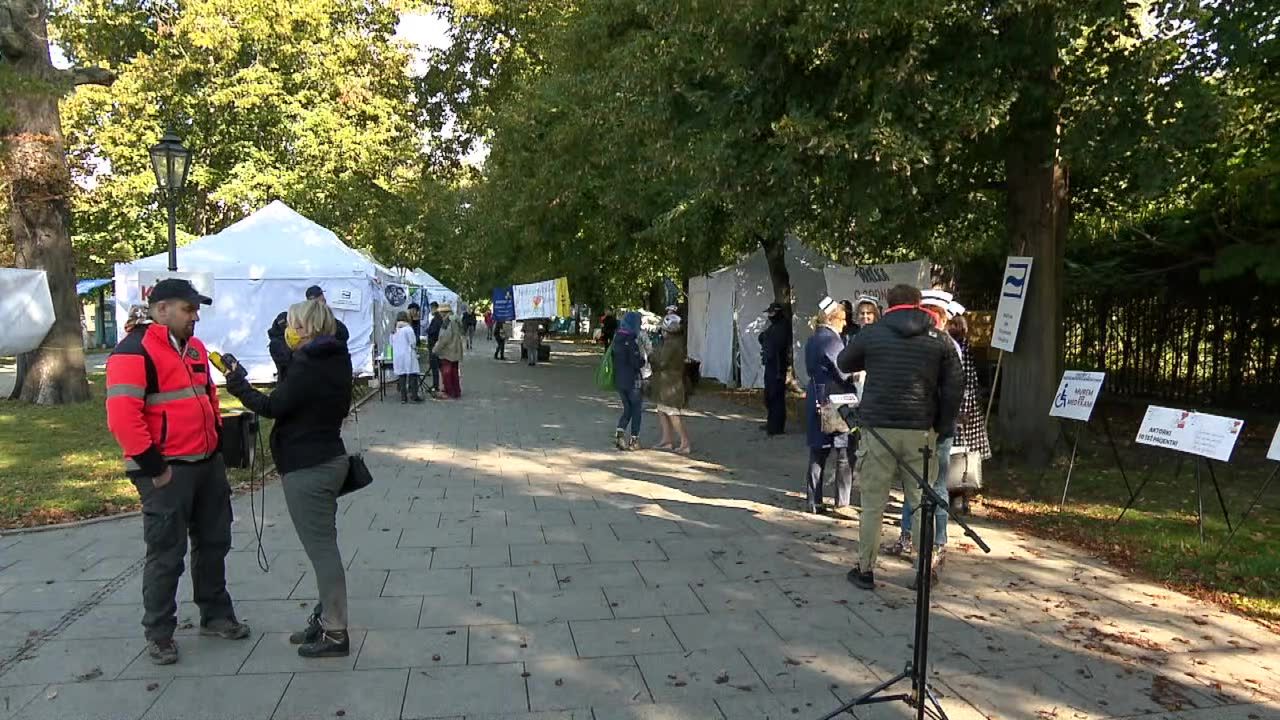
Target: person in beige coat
pixel 668 382
pixel 449 348
pixel 532 330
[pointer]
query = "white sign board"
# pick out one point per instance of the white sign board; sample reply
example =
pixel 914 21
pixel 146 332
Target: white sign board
pixel 1210 436
pixel 344 298
pixel 1274 452
pixel 1013 293
pixel 26 310
pixel 1077 394
pixel 201 281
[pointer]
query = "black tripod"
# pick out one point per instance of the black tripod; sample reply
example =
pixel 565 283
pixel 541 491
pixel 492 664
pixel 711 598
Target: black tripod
pixel 916 669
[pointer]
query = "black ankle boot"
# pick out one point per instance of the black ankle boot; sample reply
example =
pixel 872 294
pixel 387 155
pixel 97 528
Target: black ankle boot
pixel 331 643
pixel 312 633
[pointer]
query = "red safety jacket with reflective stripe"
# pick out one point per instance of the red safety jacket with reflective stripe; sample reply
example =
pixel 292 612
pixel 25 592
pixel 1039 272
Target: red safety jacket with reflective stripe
pixel 162 405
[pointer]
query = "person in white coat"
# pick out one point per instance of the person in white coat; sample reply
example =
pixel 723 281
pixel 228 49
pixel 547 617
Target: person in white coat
pixel 404 359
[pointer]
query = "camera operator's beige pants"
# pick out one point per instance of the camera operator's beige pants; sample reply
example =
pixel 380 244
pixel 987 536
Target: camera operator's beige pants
pixel 880 472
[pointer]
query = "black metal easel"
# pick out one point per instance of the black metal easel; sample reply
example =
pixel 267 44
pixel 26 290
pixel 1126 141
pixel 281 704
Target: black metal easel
pixel 1075 445
pixel 921 694
pixel 1213 478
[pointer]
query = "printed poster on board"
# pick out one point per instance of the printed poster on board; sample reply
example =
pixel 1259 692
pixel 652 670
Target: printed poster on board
pixel 1208 436
pixel 1013 294
pixel 504 304
pixel 1274 452
pixel 1077 395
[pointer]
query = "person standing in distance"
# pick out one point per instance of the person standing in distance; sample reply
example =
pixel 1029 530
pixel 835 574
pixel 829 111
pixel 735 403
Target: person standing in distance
pixel 433 336
pixel 775 357
pixel 162 408
pixel 912 397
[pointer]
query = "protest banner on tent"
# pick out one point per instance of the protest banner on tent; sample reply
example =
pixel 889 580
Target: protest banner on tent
pixel 545 299
pixel 850 283
pixel 504 304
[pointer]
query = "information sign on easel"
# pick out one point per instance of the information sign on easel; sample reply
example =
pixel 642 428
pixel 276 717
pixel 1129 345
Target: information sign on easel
pixel 1272 454
pixel 1075 400
pixel 1013 294
pixel 1207 437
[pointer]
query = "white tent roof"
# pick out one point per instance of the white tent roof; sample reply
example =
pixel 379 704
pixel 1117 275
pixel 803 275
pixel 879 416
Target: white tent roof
pixel 275 242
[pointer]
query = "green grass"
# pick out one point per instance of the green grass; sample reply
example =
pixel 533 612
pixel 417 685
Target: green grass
pixel 1159 538
pixel 60 463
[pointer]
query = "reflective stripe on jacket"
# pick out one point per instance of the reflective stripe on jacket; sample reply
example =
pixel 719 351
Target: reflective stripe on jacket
pixel 161 405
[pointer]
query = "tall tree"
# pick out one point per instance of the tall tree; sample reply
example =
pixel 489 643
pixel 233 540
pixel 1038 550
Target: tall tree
pixel 33 158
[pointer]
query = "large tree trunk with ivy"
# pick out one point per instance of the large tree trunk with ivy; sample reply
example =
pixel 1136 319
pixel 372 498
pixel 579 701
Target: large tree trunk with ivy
pixel 1038 215
pixel 32 157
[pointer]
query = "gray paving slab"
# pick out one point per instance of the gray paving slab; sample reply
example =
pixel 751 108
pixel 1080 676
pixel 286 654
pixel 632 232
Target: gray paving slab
pixel 477 689
pixel 387 613
pixel 657 573
pixel 433 537
pixel 492 644
pixel 564 683
pixel 401 583
pixel 624 551
pixel 17 627
pixel 111 700
pixel 778 706
pixel 721 630
pixel 563 605
pixel 200 657
pixel 64 661
pixel 742 595
pixel 14 699
pixel 395 559
pixel 472 557
pixel 497 608
pixel 360 695
pixel 360 583
pixel 413 648
pixel 682 677
pixel 529 578
pixel 548 554
pixel 47 596
pixel 520 535
pixel 706 710
pixel 630 636
pixel 597 575
pixel 243 697
pixel 671 599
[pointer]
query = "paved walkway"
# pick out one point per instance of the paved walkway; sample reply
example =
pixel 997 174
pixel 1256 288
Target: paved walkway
pixel 509 564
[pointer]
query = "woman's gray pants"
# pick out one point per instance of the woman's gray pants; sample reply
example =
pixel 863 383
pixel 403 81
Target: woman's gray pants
pixel 312 496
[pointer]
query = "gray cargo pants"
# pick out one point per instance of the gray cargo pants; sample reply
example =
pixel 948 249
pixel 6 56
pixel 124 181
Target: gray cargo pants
pixel 312 496
pixel 195 503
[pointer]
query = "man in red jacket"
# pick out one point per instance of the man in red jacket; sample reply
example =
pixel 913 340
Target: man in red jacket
pixel 162 408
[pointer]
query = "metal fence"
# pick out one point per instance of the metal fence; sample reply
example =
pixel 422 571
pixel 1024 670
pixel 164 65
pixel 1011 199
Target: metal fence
pixel 1194 345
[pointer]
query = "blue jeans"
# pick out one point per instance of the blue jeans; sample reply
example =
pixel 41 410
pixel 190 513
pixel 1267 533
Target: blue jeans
pixel 632 410
pixel 939 486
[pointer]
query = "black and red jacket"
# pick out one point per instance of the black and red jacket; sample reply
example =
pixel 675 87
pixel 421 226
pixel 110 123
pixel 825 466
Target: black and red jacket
pixel 162 405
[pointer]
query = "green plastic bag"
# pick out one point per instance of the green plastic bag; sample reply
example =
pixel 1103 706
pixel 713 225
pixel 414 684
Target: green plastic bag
pixel 604 373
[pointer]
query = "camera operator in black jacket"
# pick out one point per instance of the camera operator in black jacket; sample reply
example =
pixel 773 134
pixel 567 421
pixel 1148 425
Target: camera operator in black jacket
pixel 911 398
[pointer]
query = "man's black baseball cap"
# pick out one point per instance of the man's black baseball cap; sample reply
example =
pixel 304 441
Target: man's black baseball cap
pixel 177 289
pixel 314 292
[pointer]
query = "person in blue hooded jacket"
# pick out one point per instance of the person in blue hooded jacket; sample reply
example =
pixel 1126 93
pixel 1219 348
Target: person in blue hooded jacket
pixel 628 361
pixel 825 380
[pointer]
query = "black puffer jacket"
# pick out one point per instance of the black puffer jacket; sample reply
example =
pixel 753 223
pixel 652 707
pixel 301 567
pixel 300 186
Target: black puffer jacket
pixel 913 373
pixel 308 406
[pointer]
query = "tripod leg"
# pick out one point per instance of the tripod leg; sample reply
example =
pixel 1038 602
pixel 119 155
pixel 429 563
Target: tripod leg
pixel 1252 504
pixel 1199 502
pixel 1218 490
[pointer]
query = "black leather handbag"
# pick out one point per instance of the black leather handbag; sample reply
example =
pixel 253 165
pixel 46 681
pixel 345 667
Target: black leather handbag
pixel 358 475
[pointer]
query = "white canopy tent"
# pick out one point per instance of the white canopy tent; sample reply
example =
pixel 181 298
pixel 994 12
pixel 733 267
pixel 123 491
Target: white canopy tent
pixel 727 313
pixel 436 291
pixel 260 266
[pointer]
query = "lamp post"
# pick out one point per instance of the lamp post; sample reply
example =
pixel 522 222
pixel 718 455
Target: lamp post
pixel 171 162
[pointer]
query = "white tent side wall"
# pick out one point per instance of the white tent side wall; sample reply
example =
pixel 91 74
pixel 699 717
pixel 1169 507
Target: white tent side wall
pixel 697 321
pixel 717 352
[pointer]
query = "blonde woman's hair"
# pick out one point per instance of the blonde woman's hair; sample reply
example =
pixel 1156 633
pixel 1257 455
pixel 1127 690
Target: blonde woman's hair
pixel 837 313
pixel 312 318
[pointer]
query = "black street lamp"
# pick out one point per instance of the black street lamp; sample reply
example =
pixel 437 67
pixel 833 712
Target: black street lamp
pixel 171 162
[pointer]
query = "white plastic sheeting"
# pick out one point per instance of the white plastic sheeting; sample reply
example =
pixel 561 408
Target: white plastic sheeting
pixel 26 310
pixel 262 265
pixel 736 298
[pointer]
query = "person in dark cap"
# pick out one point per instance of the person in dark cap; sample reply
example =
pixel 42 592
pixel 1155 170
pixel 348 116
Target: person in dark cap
pixel 315 292
pixel 775 355
pixel 162 409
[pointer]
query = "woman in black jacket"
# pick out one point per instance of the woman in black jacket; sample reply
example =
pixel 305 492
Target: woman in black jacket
pixel 309 405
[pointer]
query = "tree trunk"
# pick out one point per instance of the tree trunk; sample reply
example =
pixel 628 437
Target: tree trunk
pixel 1038 207
pixel 774 245
pixel 34 162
